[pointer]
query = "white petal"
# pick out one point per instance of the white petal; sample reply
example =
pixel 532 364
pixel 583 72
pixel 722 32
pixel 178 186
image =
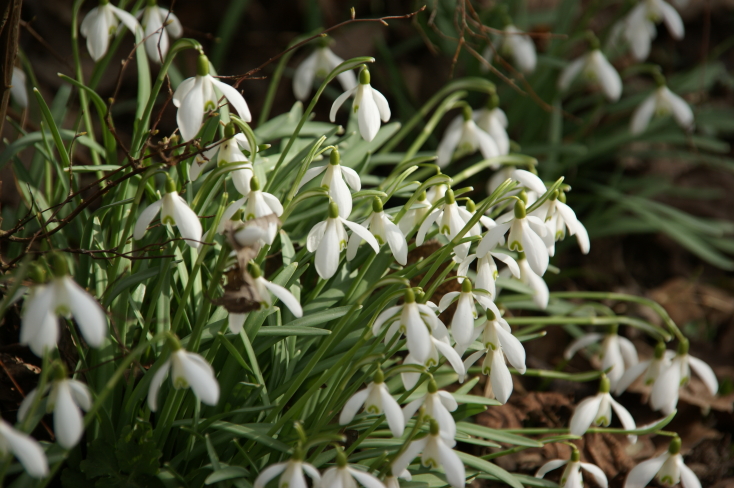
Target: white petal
pixel 630 375
pixel 608 77
pixel 644 472
pixel 98 38
pixel 688 478
pixel 581 343
pixel 625 418
pixel 303 77
pixel 128 19
pixel 492 239
pixel 550 466
pixel 351 177
pixel 410 453
pixel 341 195
pixel 183 89
pixel 339 102
pixel 681 110
pixel 584 414
pixel 452 465
pixel 39 318
pixel 191 112
pixel 87 312
pixel 672 20
pixel 642 115
pixel 571 72
pixel 425 225
pixel 146 217
pixel 347 79
pixel 236 321
pixel 706 374
pixel 629 353
pixel 367 480
pixel 27 402
pixel 529 180
pixel 268 474
pixel 448 144
pixel 327 254
pixel 200 376
pixel 80 393
pixel 509 261
pixel 310 174
pixel 513 349
pixel 411 408
pixel 187 222
pixel 665 389
pixel 173 25
pixel 487 146
pixel 393 414
pixel 396 241
pixel 315 236
pixel 451 356
pixel 312 473
pixel 447 299
pixel 286 297
pixel 68 424
pixel 363 233
pixel 26 449
pixel 448 400
pixel 462 324
pixel 383 317
pixel 155 385
pixel 18 88
pixel 274 204
pixel 368 115
pixel 536 252
pixel 596 473
pixel 235 98
pixel 352 406
pixel 382 105
pixel 229 212
pixel 500 378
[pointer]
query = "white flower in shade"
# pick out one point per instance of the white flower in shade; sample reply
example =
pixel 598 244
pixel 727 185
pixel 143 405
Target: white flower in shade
pixel 319 64
pixel 158 24
pixel 188 369
pixel 415 214
pixel 536 283
pixel 595 68
pixel 516 46
pixel 328 238
pixel 464 136
pixel 572 477
pixel 39 328
pixel 175 211
pixel 493 121
pixel 462 323
pixel 668 467
pixel 617 353
pixel 198 94
pixel 450 222
pixel 369 105
pixel 436 193
pixel 18 90
pixel 376 399
pixel 385 231
pixel 344 476
pixel 28 451
pixel 498 343
pixel 334 179
pixel 392 481
pixel 436 405
pixel 487 269
pixel 651 368
pixel 228 150
pixel 597 410
pixel 415 320
pixel 639 25
pixel 292 474
pixel 559 217
pixel 661 102
pixel 436 452
pixel 664 394
pixel 67 399
pixel 256 204
pixel 100 23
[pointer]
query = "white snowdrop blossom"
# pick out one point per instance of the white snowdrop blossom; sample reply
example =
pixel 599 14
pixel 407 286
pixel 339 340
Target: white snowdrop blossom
pixel 558 217
pixel 498 343
pixel 436 451
pixel 436 405
pixel 668 467
pixel 158 24
pixel 198 94
pixel 464 136
pixel 651 368
pixel 572 477
pixel 319 64
pixel 516 46
pixel 391 481
pixel 385 231
pixel 228 150
pixel 100 23
pixel 595 68
pixel 597 410
pixel 344 476
pixel 493 121
pixel 256 204
pixel 175 211
pixel 28 451
pixel 638 27
pixel 335 180
pixel 487 269
pixel 67 399
pixel 377 400
pixel 18 89
pixel 617 353
pixel 535 282
pixel 369 104
pixel 661 102
pixel 415 214
pixel 436 193
pixel 450 221
pixel 292 473
pixel 664 396
pixel 415 320
pixel 328 238
pixel 188 369
pixel 462 323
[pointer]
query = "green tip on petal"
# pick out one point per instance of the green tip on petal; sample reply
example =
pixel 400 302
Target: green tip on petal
pixel 254 270
pixel 434 427
pixel 520 212
pixel 364 76
pixel 450 199
pixel 254 184
pixel 333 210
pixel 59 265
pixel 604 385
pixel 466 286
pixel 659 350
pixel 409 296
pixel 683 346
pixel 379 376
pixel 674 447
pixel 432 386
pixel 334 157
pixel 170 185
pixel 377 205
pixel 202 65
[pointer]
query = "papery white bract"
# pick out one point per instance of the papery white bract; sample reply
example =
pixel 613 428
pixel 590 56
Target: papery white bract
pixel 572 477
pixel 188 369
pixel 335 180
pixel 18 89
pixel 319 64
pixel 464 136
pixel 668 467
pixel 175 211
pixel 597 410
pixel 28 451
pixel 594 67
pixel 100 23
pixel 158 24
pixel 617 352
pixel 661 102
pixel 292 474
pixel 376 400
pixel 369 104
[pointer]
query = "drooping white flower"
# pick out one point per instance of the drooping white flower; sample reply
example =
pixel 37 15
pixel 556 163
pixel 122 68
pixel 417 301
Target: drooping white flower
pixel 228 150
pixel 487 269
pixel 256 204
pixel 376 399
pixel 158 24
pixel 436 452
pixel 334 179
pixel 462 323
pixel 292 474
pixel 572 477
pixel 344 476
pixel 415 320
pixel 493 121
pixel 100 23
pixel 28 451
pixel 517 46
pixel 391 481
pixel 595 68
pixel 558 217
pixel 668 467
pixel 638 27
pixel 597 410
pixel 369 104
pixel 415 214
pixel 328 238
pixel 536 283
pixel 464 136
pixel 652 368
pixel 188 369
pixel 436 405
pixel 661 102
pixel 436 193
pixel 617 352
pixel 450 222
pixel 198 94
pixel 18 89
pixel 385 231
pixel 175 211
pixel 664 396
pixel 319 64
pixel 67 399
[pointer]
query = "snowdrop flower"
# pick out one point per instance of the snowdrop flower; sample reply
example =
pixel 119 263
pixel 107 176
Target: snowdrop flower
pixel 18 89
pixel 39 327
pixel 450 222
pixel 392 481
pixel 541 294
pixel 67 398
pixel 572 477
pixel 498 341
pixel 415 214
pixel 319 64
pixel 437 453
pixel 328 238
pixel 100 23
pixel 517 46
pixel 28 451
pixel 493 121
pixel 376 399
pixel 487 269
pixel 652 368
pixel 156 33
pixel 228 150
pixel 462 324
pixel 664 394
pixel 385 231
pixel 292 473
pixel 198 94
pixel 334 179
pixel 174 210
pixel 617 352
pixel 597 410
pixel 188 369
pixel 344 476
pixel 436 193
pixel 669 469
pixel 661 102
pixel 257 204
pixel 436 405
pixel 415 320
pixel 639 25
pixel 559 217
pixel 464 136
pixel 263 289
pixel 468 211
pixel 369 105
pixel 594 67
